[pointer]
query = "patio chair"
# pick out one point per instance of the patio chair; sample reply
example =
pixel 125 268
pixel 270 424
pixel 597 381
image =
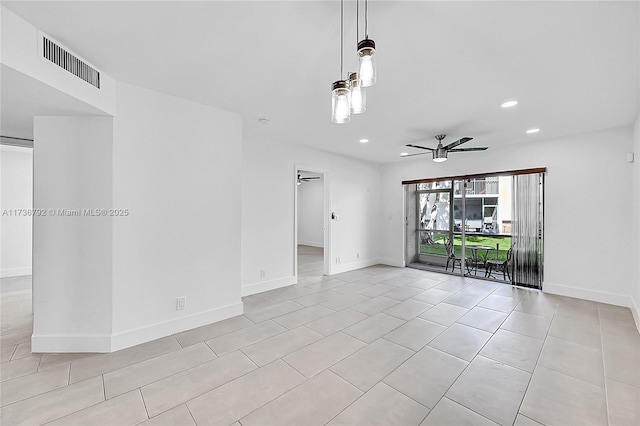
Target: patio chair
pixel 503 266
pixel 452 258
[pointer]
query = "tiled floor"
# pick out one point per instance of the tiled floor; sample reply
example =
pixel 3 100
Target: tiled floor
pixel 377 346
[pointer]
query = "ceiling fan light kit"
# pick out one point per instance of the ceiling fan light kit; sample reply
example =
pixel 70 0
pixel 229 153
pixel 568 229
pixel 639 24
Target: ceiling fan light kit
pixel 349 96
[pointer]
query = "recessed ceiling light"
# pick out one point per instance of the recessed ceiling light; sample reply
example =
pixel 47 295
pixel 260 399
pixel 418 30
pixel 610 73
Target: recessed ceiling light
pixel 364 140
pixel 509 104
pixel 263 121
pixel 533 131
pixel 404 154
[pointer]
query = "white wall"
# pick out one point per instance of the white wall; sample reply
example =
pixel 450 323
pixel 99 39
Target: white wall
pixel 177 168
pixel 19 41
pixel 17 193
pixel 635 224
pixel 588 214
pixel 268 190
pixel 72 271
pixel 311 213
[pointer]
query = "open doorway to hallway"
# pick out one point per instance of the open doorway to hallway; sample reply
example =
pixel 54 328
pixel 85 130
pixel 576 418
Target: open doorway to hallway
pixel 310 222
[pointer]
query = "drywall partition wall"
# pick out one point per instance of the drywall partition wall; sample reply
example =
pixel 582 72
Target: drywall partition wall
pixel 71 238
pixel 16 179
pixel 310 213
pixel 268 190
pixel 588 209
pixel 21 46
pixel 635 223
pixel 177 167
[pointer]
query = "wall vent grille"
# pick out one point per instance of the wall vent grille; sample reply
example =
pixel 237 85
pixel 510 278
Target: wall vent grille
pixel 70 62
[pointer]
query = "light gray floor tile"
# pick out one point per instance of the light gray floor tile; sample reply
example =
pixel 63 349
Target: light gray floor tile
pixel 174 390
pixel 352 288
pixel 537 305
pixel 415 334
pixel 461 341
pixel 303 316
pixel 103 363
pixel 382 405
pixel 444 314
pixel 314 402
pixel 289 292
pixel 373 327
pixel 137 375
pixel 34 384
pixel 245 394
pixel 22 351
pixel 573 359
pixel 452 285
pixel 554 398
pixel 527 325
pixel 325 284
pixel 576 331
pixel 53 405
pixel 207 332
pixel 482 288
pixel 623 338
pixel 424 283
pixel 491 389
pixel 372 363
pixel 344 301
pixel 426 376
pixel 579 313
pixel 432 296
pixel 315 298
pixel 376 290
pixel 233 341
pixel 483 319
pixel 374 305
pixel 623 403
pixel 408 309
pixel 512 291
pixel 336 321
pixel 178 416
pixel 6 352
pixel 273 311
pixel 262 353
pixel 127 409
pixel 403 293
pixel 616 313
pixel 465 299
pixel 14 339
pixel 322 354
pixel 52 360
pixel 513 349
pixel 622 365
pixel 499 303
pixel 525 421
pixel 19 367
pixel 448 412
pixel 400 281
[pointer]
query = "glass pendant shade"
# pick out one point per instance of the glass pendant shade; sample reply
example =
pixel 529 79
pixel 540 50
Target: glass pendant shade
pixel 358 95
pixel 340 102
pixel 367 70
pixel 440 155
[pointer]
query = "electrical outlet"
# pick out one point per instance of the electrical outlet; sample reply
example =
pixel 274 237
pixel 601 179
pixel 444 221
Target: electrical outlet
pixel 357 255
pixel 263 273
pixel 181 303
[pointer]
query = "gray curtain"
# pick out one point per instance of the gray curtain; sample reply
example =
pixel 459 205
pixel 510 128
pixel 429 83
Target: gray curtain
pixel 527 229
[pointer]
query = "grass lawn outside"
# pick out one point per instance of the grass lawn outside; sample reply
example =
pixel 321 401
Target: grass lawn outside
pixel 481 240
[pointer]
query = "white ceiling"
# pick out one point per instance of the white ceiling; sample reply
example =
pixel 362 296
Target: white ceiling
pixel 443 67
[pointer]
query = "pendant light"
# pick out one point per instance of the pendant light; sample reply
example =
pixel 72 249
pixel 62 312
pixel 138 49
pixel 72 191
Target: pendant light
pixel 366 49
pixel 341 89
pixel 358 95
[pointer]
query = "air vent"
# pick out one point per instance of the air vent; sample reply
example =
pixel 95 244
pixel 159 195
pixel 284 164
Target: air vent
pixel 70 62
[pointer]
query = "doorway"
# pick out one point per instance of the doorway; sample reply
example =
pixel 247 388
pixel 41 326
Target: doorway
pixel 311 230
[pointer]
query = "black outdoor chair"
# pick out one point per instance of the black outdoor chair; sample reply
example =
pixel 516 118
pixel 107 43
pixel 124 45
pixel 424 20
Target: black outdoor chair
pixel 452 258
pixel 503 266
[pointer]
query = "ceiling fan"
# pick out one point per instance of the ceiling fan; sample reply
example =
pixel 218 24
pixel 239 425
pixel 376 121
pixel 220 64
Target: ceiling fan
pixel 440 152
pixel 306 179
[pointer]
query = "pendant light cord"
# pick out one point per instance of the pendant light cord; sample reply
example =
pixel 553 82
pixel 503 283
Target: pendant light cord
pixel 341 35
pixel 366 19
pixel 357 21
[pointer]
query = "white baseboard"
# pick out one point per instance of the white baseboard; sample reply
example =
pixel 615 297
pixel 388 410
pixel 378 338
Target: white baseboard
pixel 338 268
pixel 635 311
pixel 259 287
pixel 126 339
pixel 66 344
pixel 166 328
pixel 593 295
pixel 311 243
pixel 399 263
pixel 15 272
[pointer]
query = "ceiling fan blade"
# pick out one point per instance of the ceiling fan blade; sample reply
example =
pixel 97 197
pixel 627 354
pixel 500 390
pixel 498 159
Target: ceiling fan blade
pixel 418 146
pixel 480 148
pixel 310 177
pixel 458 142
pixel 411 155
